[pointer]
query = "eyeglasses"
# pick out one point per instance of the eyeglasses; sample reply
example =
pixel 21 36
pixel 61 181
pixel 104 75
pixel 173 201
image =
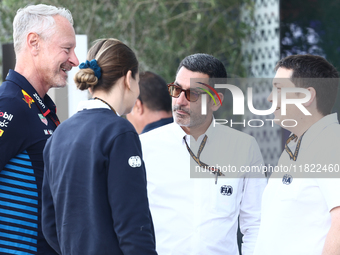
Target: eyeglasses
pixel 190 94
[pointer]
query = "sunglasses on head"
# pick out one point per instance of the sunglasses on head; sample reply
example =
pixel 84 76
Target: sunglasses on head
pixel 190 94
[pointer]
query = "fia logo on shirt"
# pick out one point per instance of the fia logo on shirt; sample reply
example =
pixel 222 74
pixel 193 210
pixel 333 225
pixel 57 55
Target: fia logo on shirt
pixel 287 179
pixel 226 190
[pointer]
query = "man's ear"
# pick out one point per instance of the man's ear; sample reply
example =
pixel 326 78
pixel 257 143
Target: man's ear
pixel 218 104
pixel 139 107
pixel 312 97
pixel 33 43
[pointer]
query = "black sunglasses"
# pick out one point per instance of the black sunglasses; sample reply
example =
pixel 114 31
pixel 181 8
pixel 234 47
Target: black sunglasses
pixel 190 94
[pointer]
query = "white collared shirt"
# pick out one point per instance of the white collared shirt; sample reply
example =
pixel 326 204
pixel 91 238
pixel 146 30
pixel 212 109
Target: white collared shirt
pixel 195 216
pixel 295 210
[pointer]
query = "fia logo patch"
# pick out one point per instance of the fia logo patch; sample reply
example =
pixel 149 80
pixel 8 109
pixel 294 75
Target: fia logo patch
pixel 135 161
pixel 43 119
pixel 287 179
pixel 226 190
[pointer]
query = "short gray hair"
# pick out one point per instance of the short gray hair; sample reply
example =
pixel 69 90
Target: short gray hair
pixel 38 19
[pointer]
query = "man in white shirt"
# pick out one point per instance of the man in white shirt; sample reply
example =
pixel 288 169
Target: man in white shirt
pixel 195 216
pixel 152 108
pixel 301 208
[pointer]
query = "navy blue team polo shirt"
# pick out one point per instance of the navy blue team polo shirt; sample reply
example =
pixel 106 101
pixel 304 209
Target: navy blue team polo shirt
pixel 26 122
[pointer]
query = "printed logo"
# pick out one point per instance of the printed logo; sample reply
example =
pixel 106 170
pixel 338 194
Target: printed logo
pixel 1 132
pixel 3 123
pixel 39 100
pixel 226 190
pixel 239 105
pixel 48 131
pixel 135 161
pixel 27 98
pixel 208 92
pixel 43 119
pixel 287 179
pixel 6 116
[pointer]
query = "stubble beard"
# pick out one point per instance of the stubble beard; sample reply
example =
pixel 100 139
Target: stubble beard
pixel 180 119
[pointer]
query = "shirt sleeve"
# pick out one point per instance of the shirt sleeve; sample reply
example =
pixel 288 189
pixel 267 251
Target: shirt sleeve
pixel 250 212
pixel 128 196
pixel 330 189
pixel 14 130
pixel 329 183
pixel 48 212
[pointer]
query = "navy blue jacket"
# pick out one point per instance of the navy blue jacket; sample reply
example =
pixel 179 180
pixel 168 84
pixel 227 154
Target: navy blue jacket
pixel 94 190
pixel 26 122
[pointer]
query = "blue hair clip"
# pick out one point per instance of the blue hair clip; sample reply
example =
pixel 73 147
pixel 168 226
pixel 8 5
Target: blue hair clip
pixel 93 65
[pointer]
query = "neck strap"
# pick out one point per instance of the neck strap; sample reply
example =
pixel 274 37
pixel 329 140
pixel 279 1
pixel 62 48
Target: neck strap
pixel 97 98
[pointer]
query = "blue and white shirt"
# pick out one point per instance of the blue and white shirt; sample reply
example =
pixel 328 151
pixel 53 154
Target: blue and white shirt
pixel 26 122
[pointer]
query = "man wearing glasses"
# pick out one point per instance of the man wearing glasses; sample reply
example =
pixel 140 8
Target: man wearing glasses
pixel 200 215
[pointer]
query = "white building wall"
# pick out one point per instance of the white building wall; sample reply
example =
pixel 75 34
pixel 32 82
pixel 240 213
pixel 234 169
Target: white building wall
pixel 263 46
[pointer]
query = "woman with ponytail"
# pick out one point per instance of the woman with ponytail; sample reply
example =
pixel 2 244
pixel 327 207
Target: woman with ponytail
pixel 94 189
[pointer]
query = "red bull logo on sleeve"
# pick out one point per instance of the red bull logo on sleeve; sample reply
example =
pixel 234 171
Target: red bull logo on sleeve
pixel 27 98
pixel 1 132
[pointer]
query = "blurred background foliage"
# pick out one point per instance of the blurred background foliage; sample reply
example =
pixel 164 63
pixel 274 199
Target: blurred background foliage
pixel 311 28
pixel 162 32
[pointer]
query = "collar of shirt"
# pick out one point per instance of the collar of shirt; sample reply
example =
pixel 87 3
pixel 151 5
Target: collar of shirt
pixel 209 133
pixel 177 132
pixel 313 132
pixel 92 104
pixel 157 124
pixel 44 104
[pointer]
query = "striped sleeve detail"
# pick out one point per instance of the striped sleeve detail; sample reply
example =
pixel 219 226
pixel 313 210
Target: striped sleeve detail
pixel 18 207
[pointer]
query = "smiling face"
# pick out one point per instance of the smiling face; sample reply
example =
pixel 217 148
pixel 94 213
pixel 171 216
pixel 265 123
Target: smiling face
pixel 56 54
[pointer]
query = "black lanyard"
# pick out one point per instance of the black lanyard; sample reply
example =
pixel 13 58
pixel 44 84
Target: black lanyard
pixel 212 169
pixel 55 120
pixel 46 113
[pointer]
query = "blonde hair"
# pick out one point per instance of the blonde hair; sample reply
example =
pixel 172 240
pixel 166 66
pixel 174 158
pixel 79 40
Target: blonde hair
pixel 114 58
